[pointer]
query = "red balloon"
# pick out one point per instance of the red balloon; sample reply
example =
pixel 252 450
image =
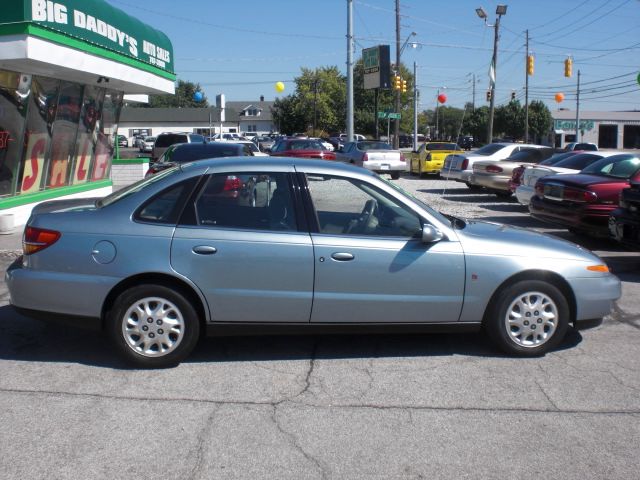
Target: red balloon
pixel 442 98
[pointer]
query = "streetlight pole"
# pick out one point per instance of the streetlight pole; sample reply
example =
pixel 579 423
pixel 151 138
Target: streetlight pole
pixel 500 10
pixel 349 70
pixel 396 139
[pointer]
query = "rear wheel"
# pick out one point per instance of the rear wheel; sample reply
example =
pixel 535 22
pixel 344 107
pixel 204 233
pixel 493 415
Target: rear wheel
pixel 528 318
pixel 472 187
pixel 153 326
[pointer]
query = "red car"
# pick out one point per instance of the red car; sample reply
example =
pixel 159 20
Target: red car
pixel 301 148
pixel 583 202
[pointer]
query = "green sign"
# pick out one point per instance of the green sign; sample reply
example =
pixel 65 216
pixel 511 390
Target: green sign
pixel 93 22
pixel 390 115
pixel 371 59
pixel 585 125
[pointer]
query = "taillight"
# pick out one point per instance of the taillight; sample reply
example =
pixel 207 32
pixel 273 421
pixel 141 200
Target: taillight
pixel 232 183
pixel 36 239
pixel 516 175
pixel 465 164
pixel 428 157
pixel 577 195
pixel 494 169
pixel 539 188
pixel 365 157
pixel 402 159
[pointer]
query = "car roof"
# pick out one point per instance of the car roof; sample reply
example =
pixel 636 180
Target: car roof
pixel 265 162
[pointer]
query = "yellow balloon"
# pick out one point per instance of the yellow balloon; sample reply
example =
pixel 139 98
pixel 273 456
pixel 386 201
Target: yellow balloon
pixel 279 87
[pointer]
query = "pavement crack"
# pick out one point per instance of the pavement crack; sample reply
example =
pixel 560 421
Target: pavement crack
pixel 196 471
pixel 544 392
pixel 312 366
pixel 294 443
pixel 620 316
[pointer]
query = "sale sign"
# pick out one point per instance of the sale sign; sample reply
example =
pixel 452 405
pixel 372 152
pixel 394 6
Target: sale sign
pixel 34 162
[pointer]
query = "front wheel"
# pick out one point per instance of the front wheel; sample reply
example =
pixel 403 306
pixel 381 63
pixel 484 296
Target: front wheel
pixel 528 318
pixel 153 326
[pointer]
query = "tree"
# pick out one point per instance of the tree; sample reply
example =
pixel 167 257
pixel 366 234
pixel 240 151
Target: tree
pixel 540 121
pixel 509 120
pixel 183 98
pixel 476 123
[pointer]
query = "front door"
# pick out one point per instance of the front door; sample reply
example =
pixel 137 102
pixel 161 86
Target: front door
pixel 370 264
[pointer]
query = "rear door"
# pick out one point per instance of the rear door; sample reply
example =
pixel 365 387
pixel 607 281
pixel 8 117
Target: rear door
pixel 240 240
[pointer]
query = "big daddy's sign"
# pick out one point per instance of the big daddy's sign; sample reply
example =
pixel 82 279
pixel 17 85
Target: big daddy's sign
pixel 99 23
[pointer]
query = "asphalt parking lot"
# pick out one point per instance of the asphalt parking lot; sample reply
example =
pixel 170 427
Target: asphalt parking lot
pixel 330 407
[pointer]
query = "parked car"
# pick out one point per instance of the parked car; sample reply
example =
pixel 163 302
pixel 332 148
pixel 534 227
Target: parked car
pixel 494 175
pixel 624 221
pixel 311 245
pixel 374 155
pixel 459 167
pixel 585 146
pixel 568 162
pixel 302 148
pixel 255 151
pixel 147 144
pixel 466 142
pixel 123 141
pixel 429 159
pixel 582 202
pixel 264 143
pixel 166 139
pixel 138 140
pixel 325 143
pixel 179 153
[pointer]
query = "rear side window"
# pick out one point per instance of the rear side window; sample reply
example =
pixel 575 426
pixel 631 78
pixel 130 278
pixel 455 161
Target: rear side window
pixel 164 141
pixel 165 207
pixel 578 162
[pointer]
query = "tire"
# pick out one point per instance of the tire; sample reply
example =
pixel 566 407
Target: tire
pixel 147 342
pixel 503 194
pixel 511 315
pixel 472 187
pixel 395 175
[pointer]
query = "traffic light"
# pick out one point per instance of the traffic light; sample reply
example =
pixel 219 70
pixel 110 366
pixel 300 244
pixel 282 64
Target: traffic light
pixel 568 65
pixel 488 95
pixel 530 61
pixel 513 95
pixel 397 82
pixel 404 86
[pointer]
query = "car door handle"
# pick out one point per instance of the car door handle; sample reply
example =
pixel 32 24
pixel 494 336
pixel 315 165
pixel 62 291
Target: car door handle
pixel 204 250
pixel 342 256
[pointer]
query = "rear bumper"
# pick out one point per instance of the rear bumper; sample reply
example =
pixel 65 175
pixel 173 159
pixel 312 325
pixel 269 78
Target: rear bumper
pixel 492 182
pixel 592 219
pixel 385 167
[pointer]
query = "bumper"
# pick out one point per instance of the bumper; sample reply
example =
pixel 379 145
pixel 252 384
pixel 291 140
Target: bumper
pixel 385 167
pixel 595 296
pixel 593 219
pixel 451 174
pixel 524 194
pixel 492 182
pixel 625 228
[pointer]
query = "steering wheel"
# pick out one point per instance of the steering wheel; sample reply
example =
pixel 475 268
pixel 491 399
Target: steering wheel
pixel 362 222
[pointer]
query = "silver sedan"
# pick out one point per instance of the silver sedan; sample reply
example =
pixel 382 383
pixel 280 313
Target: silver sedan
pixel 240 244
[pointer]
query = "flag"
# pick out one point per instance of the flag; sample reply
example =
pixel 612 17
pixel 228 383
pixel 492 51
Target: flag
pixel 492 74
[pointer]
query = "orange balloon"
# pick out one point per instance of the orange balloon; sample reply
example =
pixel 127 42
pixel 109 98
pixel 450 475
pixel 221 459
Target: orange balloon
pixel 559 97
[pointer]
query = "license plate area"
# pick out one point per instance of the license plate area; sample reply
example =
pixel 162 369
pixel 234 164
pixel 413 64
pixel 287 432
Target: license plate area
pixel 553 192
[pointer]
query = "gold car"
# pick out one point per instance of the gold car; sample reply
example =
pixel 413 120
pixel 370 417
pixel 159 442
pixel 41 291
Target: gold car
pixel 429 158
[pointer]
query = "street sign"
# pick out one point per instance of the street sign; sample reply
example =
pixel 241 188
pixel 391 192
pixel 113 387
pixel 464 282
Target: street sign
pixel 391 115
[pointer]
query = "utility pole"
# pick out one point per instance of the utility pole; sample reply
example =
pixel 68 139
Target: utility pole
pixel 578 109
pixel 415 106
pixel 526 89
pixel 494 67
pixel 473 104
pixel 350 70
pixel 396 137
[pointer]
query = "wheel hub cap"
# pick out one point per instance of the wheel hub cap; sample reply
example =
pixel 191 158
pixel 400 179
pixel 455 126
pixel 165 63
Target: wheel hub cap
pixel 531 319
pixel 153 327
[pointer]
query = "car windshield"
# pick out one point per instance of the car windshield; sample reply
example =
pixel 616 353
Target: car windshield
pixel 579 161
pixel 618 166
pixel 364 146
pixel 442 146
pixel 489 149
pixel 426 207
pixel 558 157
pixel 134 188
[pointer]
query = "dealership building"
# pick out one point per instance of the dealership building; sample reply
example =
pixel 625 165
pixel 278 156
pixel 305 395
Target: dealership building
pixel 610 130
pixel 66 67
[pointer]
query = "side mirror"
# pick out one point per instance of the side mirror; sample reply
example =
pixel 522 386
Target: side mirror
pixel 431 234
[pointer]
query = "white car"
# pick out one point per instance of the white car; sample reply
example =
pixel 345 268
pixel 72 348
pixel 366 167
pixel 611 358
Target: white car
pixel 252 146
pixel 324 143
pixel 146 145
pixel 459 167
pixel 569 163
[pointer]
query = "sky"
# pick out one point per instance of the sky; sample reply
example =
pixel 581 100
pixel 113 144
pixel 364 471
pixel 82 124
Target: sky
pixel 242 48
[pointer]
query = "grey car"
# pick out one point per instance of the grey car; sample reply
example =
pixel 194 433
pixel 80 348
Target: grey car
pixel 246 244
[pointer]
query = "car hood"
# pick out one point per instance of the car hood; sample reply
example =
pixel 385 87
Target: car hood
pixel 488 238
pixel 69 205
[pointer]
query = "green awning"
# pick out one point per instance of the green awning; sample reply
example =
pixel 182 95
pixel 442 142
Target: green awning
pixel 93 26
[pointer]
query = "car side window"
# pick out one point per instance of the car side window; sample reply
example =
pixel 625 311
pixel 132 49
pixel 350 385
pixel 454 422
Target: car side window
pixel 255 201
pixel 165 207
pixel 346 206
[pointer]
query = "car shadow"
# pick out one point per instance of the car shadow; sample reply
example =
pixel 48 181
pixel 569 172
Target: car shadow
pixel 25 339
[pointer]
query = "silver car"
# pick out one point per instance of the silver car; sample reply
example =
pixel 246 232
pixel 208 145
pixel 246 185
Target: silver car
pixel 373 155
pixel 273 243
